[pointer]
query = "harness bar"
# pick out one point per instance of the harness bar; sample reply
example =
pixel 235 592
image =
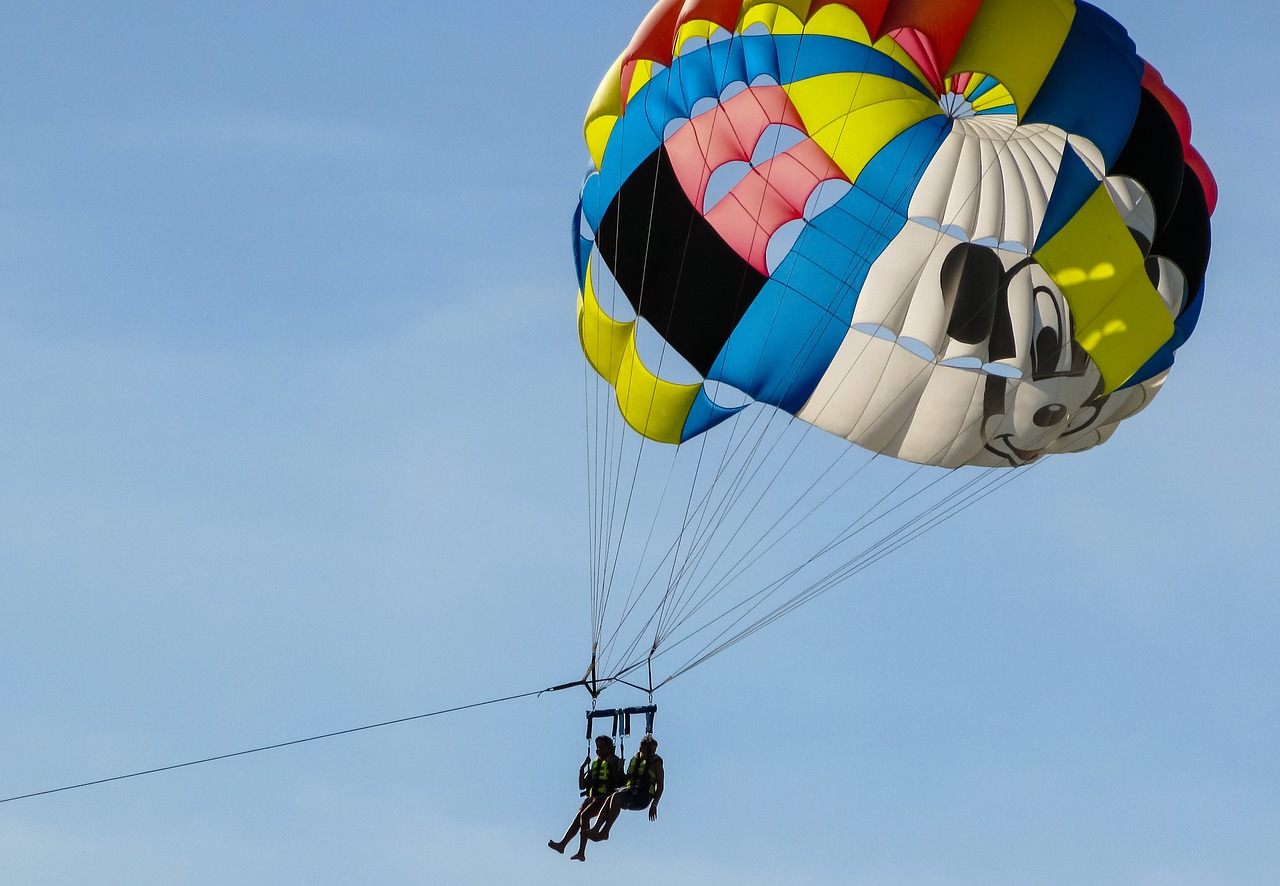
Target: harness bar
pixel 621 718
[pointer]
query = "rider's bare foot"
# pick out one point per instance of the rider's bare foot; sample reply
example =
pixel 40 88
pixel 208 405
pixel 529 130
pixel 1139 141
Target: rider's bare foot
pixel 558 847
pixel 578 856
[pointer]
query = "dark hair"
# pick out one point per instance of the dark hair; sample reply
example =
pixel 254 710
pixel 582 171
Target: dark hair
pixel 649 742
pixel 604 739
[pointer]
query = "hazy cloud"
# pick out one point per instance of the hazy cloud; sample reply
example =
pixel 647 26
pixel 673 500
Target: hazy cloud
pixel 250 133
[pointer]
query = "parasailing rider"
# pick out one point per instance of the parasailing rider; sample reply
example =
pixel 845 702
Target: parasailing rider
pixel 645 781
pixel 597 780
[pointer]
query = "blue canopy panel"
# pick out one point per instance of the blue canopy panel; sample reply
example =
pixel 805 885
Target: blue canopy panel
pixel 787 339
pixel 581 246
pixel 1095 85
pixel 1076 183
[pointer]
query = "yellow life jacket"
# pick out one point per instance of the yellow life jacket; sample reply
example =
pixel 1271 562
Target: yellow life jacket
pixel 599 778
pixel 638 776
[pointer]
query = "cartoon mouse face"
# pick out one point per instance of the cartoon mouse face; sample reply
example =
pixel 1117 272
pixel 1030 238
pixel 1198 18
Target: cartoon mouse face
pixel 958 321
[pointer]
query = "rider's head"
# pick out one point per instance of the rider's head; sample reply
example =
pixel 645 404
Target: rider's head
pixel 648 744
pixel 604 745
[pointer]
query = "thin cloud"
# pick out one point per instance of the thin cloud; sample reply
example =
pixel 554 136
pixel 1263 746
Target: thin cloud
pixel 257 135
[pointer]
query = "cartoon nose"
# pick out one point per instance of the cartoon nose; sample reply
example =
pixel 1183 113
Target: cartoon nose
pixel 1049 416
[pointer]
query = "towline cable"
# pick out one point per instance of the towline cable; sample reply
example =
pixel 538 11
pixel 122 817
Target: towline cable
pixel 286 744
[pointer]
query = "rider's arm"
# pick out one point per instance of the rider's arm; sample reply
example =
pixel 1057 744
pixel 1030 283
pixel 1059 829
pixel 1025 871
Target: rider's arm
pixel 659 780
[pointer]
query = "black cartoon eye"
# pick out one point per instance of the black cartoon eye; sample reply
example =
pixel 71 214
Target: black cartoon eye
pixel 975 294
pixel 1054 351
pixel 971 277
pixel 1046 352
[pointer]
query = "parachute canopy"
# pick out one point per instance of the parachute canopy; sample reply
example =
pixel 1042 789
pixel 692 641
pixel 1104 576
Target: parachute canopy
pixel 956 232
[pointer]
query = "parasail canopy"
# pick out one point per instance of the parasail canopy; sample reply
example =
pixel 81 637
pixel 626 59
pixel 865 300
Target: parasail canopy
pixel 958 233
pixel 951 232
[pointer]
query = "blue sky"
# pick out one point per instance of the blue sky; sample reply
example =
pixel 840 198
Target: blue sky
pixel 291 441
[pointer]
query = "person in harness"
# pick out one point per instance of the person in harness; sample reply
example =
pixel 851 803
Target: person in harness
pixel 645 781
pixel 597 779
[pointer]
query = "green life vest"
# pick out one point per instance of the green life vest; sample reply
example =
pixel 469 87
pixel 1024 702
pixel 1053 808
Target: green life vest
pixel 599 778
pixel 638 776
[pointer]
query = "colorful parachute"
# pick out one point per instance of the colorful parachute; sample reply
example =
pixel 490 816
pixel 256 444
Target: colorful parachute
pixel 961 233
pixel 950 231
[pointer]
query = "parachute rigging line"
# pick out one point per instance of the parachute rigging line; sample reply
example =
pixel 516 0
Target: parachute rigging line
pixel 931 516
pixel 674 615
pixel 286 744
pixel 687 572
pixel 881 549
pixel 675 603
